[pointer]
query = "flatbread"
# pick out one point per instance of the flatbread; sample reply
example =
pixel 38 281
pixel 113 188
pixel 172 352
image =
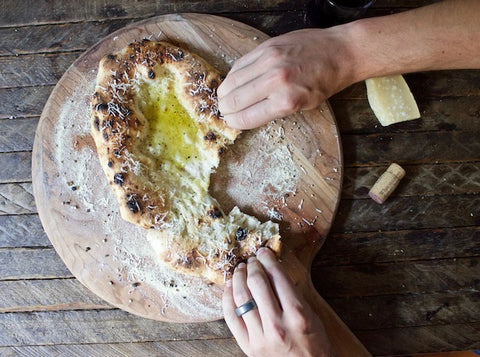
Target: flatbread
pixel 159 136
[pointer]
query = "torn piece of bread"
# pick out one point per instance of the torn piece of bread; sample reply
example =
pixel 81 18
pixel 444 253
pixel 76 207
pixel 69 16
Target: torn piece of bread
pixel 159 136
pixel 391 100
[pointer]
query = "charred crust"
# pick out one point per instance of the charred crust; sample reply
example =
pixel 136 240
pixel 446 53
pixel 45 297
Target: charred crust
pixel 109 164
pixel 221 150
pixel 111 57
pixel 132 203
pixel 151 74
pixel 118 178
pixel 210 136
pixel 215 213
pixel 96 122
pixel 105 136
pixel 241 234
pixel 101 106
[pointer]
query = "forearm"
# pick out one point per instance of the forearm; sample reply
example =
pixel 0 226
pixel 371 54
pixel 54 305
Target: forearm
pixel 444 35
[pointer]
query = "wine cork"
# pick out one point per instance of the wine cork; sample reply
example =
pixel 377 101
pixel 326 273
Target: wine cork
pixel 386 183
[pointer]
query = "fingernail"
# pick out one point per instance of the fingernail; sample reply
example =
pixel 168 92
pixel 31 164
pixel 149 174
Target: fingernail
pixel 262 250
pixel 229 282
pixel 251 259
pixel 240 266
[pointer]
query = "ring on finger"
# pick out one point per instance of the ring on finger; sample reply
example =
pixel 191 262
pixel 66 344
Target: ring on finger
pixel 244 308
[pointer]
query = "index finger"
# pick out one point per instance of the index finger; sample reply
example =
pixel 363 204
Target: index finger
pixel 240 64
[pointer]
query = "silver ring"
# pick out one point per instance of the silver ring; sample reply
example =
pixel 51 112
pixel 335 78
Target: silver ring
pixel 243 309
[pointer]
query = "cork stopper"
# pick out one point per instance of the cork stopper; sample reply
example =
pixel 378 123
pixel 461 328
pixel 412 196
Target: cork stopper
pixel 386 183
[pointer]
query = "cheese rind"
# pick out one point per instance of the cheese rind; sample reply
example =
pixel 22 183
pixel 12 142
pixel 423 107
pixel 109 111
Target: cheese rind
pixel 391 99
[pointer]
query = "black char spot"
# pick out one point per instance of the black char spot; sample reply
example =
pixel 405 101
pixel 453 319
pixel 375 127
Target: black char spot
pixel 241 233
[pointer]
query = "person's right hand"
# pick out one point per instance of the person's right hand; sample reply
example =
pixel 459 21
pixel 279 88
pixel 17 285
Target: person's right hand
pixel 291 72
pixel 284 324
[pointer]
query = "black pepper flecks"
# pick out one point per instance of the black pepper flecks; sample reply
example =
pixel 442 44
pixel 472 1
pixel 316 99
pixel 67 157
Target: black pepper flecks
pixel 241 234
pixel 151 74
pixel 109 164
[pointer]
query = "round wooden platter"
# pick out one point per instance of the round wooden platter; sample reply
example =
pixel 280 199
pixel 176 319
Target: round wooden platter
pixel 301 153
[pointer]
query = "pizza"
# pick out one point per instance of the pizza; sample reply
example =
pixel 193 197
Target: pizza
pixel 159 136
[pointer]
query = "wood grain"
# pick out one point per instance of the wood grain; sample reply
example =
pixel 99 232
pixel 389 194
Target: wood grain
pixel 48 295
pixel 394 311
pixel 396 246
pixel 404 213
pixel 17 134
pixel 93 326
pixel 417 277
pixel 16 198
pixel 421 180
pixel 438 338
pixel 58 11
pixel 22 231
pixel 16 264
pixel 16 167
pixel 210 347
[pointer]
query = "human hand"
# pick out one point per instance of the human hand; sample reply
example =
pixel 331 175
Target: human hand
pixel 291 72
pixel 283 324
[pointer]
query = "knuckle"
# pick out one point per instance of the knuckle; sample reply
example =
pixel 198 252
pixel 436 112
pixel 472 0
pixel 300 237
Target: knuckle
pixel 255 279
pixel 242 121
pixel 291 102
pixel 299 320
pixel 278 334
pixel 232 102
pixel 275 53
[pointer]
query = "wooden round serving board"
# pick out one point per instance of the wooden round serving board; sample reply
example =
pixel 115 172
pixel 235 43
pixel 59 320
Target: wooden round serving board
pixel 112 257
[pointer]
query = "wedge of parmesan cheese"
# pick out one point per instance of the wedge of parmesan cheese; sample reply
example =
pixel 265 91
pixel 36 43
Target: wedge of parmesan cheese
pixel 391 99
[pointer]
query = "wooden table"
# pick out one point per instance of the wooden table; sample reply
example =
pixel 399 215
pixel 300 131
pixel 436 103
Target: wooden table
pixel 404 276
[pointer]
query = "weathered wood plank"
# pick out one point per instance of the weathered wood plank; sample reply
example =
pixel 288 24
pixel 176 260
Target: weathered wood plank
pixel 58 11
pixel 48 295
pixel 79 36
pixel 369 312
pixel 420 180
pixel 34 70
pixel 410 277
pixel 95 326
pixel 54 38
pixel 452 113
pixel 390 311
pixel 16 198
pixel 211 347
pixel 22 231
pixel 407 213
pixel 16 167
pixel 31 264
pixel 431 85
pixel 388 342
pixel 17 134
pixel 411 148
pixel 23 102
pixel 395 246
